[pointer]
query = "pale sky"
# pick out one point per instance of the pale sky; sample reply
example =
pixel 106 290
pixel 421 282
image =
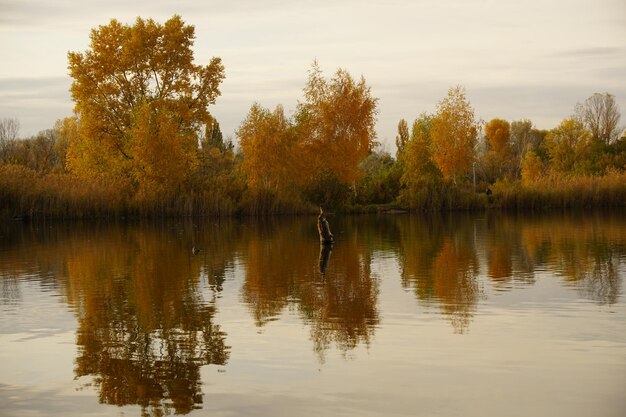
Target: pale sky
pixel 531 59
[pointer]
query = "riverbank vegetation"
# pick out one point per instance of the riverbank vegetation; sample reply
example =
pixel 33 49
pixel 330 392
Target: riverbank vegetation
pixel 142 143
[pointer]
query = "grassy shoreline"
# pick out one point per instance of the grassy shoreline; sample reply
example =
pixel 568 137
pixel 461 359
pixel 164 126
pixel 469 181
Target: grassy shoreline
pixel 27 194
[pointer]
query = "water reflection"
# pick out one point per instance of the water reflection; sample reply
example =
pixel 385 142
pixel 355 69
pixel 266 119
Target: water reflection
pixel 146 306
pixel 441 257
pixel 584 249
pixel 325 251
pixel 145 315
pixel 439 262
pixel 145 328
pixel 337 298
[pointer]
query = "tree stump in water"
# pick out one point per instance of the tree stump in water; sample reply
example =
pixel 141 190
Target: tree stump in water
pixel 326 237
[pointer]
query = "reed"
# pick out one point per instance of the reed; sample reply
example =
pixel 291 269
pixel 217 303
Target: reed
pixel 563 191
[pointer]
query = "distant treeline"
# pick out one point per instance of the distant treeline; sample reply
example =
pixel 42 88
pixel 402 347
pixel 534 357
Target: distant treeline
pixel 142 143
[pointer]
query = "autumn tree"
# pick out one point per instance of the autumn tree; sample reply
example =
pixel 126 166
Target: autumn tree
pixel 498 134
pixel 524 138
pixel 43 156
pixel 568 145
pixel 419 170
pixel 217 156
pixel 67 132
pixel 532 168
pixel 381 180
pixel 336 120
pixel 454 134
pixel 600 114
pixel 402 138
pixel 270 147
pixel 141 101
pixel 9 132
pixel 498 157
pixel 213 137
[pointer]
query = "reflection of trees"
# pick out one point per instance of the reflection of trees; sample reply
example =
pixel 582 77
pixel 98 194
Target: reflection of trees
pixel 585 249
pixel 455 268
pixel 438 260
pixel 344 308
pixel 507 259
pixel 283 268
pixel 146 320
pixel 145 328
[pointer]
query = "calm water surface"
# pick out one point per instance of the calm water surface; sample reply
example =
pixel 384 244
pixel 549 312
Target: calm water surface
pixel 464 315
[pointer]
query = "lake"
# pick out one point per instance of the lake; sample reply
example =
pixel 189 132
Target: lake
pixel 405 315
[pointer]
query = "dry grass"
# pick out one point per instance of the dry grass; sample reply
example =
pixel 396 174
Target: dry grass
pixel 563 191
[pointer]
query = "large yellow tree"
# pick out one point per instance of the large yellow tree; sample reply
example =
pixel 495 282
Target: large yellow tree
pixel 419 169
pixel 453 135
pixel 271 151
pixel 316 154
pixel 337 121
pixel 141 101
pixel 498 160
pixel 568 146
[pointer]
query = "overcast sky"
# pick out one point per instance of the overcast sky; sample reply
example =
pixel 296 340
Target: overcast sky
pixel 531 59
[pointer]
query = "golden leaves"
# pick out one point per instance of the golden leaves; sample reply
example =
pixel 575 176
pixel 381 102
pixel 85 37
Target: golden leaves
pixel 454 133
pixel 567 145
pixel 331 133
pixel 141 102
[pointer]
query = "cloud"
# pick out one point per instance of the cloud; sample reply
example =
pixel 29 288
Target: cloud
pixel 36 102
pixel 528 59
pixel 598 51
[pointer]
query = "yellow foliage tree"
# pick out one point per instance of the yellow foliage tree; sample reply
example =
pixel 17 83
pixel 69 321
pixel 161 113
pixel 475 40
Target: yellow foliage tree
pixel 498 134
pixel 163 155
pixel 498 160
pixel 137 85
pixel 568 145
pixel 419 168
pixel 532 168
pixel 337 121
pixel 453 135
pixel 402 138
pixel 272 152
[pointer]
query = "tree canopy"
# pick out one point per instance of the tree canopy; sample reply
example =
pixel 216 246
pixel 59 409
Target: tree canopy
pixel 320 148
pixel 454 132
pixel 141 101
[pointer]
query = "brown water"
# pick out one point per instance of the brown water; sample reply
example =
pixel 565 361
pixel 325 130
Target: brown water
pixel 463 315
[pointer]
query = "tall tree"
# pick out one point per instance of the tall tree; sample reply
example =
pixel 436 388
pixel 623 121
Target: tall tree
pixel 568 145
pixel 419 168
pixel 498 134
pixel 67 131
pixel 137 86
pixel 213 137
pixel 600 114
pixel 337 119
pixel 271 150
pixel 454 134
pixel 498 158
pixel 402 138
pixel 524 138
pixel 9 131
pixel 532 168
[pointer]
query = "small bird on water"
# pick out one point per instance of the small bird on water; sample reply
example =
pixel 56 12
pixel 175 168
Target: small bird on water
pixel 195 250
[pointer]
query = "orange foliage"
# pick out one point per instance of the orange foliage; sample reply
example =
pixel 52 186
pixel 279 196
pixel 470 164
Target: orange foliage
pixel 138 86
pixel 337 120
pixel 568 145
pixel 532 168
pixel 272 150
pixel 453 135
pixel 498 135
pixel 163 155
